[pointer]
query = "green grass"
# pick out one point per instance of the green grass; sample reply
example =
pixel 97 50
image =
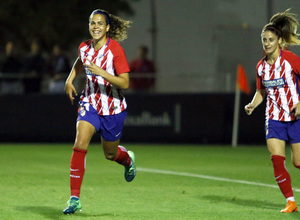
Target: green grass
pixel 34 183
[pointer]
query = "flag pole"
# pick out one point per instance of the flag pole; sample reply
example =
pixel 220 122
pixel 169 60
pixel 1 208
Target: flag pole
pixel 235 128
pixel 241 84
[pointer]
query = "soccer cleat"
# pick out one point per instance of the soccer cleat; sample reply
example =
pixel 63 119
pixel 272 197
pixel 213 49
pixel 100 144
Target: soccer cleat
pixel 290 207
pixel 130 171
pixel 73 205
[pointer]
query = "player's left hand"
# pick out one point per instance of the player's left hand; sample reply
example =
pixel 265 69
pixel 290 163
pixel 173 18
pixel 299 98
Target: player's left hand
pixel 93 68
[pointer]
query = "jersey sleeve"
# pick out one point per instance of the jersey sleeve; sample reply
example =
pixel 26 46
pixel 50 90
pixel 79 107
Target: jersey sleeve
pixel 295 62
pixel 83 44
pixel 79 55
pixel 83 47
pixel 259 84
pixel 120 61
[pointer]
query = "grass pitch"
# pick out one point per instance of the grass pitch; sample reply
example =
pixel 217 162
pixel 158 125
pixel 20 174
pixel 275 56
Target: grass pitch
pixel 173 182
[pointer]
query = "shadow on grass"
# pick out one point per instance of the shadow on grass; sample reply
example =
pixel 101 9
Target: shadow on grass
pixel 52 213
pixel 245 202
pixel 251 203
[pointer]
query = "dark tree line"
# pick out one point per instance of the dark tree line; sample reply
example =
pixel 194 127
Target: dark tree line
pixel 51 21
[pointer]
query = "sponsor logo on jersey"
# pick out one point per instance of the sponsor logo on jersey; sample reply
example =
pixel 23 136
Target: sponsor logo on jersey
pixel 273 82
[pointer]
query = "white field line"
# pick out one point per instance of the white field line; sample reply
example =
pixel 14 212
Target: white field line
pixel 141 169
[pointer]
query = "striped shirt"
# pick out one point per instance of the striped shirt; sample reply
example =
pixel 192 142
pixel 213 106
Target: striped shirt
pixel 106 98
pixel 281 81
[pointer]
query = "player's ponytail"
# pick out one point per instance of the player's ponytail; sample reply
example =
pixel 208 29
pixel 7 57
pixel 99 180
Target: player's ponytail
pixel 284 25
pixel 118 28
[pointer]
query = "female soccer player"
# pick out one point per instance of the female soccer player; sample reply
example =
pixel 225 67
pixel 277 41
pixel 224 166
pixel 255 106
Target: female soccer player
pixel 277 78
pixel 102 105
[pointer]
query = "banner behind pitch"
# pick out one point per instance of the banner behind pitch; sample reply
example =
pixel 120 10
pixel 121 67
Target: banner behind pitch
pixel 161 118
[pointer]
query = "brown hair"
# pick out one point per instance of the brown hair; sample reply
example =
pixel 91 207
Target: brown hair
pixel 284 25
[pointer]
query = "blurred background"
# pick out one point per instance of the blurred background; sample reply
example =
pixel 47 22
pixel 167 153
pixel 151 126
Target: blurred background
pixel 183 57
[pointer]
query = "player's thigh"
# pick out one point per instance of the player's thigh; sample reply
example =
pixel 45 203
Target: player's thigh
pixel 276 146
pixel 84 134
pixel 296 153
pixel 110 148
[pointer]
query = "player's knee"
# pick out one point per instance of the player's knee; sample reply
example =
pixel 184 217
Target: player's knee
pixel 297 164
pixel 81 145
pixel 110 156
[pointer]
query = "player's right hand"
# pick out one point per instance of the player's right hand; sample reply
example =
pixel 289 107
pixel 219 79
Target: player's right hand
pixel 70 91
pixel 249 109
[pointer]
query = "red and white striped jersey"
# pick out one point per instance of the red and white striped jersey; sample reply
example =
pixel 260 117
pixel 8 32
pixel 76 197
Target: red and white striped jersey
pixel 281 81
pixel 106 98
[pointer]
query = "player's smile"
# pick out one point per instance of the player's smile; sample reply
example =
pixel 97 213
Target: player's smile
pixel 95 33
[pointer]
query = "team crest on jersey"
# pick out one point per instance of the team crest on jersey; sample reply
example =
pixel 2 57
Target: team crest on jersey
pixel 82 111
pixel 278 69
pixel 274 82
pixel 101 57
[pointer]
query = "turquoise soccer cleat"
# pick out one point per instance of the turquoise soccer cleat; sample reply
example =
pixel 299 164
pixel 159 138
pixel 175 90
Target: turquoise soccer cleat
pixel 130 171
pixel 73 206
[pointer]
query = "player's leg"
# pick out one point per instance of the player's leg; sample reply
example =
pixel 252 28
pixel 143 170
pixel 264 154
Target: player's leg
pixel 277 133
pixel 296 158
pixel 111 132
pixel 277 150
pixel 114 152
pixel 296 154
pixel 291 203
pixel 276 147
pixel 84 133
pixel 294 131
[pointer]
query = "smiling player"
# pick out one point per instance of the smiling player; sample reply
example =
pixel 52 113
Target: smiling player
pixel 102 104
pixel 277 77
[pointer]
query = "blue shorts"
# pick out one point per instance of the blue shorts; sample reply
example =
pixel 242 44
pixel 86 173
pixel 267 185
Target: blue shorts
pixel 108 126
pixel 286 131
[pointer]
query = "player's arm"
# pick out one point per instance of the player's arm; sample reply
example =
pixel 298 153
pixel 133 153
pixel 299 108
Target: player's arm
pixel 69 87
pixel 121 81
pixel 257 99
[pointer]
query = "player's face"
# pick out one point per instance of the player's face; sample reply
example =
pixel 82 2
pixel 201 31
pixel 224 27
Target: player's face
pixel 98 27
pixel 270 42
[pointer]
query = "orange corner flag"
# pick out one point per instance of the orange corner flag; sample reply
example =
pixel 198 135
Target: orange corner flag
pixel 242 80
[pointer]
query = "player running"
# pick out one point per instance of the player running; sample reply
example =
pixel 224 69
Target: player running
pixel 102 105
pixel 277 78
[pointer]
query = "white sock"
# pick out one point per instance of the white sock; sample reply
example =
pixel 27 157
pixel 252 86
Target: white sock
pixel 291 199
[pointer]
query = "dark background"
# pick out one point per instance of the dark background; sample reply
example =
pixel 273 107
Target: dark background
pixel 51 21
pixel 51 118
